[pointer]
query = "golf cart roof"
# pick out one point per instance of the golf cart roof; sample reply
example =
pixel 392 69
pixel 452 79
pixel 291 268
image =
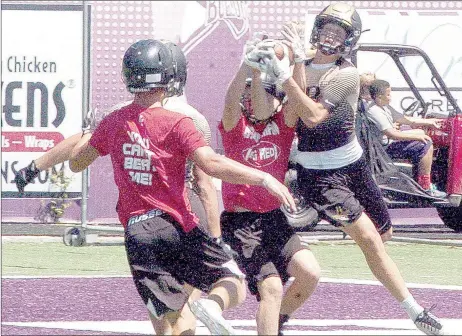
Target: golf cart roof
pixel 397 52
pixel 400 50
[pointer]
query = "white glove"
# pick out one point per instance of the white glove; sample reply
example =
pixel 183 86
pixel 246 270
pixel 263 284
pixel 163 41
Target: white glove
pixel 289 31
pixel 252 43
pixel 254 58
pixel 279 69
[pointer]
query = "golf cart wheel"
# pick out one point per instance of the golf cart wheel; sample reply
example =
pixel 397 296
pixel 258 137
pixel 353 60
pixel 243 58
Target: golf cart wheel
pixel 452 217
pixel 74 236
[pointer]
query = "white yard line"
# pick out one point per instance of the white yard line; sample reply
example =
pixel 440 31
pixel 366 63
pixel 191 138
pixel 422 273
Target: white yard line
pixel 247 327
pixel 377 283
pixel 323 279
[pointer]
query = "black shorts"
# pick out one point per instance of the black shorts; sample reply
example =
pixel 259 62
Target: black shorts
pixel 264 242
pixel 341 195
pixel 162 257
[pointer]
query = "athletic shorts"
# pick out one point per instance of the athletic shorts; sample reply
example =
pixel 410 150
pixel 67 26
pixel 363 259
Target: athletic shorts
pixel 408 150
pixel 264 242
pixel 162 257
pixel 341 195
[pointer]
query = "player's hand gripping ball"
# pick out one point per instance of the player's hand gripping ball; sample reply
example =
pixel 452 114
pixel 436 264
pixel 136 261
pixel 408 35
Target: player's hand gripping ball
pixel 280 49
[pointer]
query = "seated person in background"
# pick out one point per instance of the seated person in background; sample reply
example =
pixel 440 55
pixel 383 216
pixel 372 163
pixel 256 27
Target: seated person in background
pixel 413 145
pixel 365 81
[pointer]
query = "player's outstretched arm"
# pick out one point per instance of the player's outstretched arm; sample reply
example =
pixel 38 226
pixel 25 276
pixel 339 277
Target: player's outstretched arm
pixel 82 155
pixel 311 112
pixel 232 111
pixel 262 102
pixel 58 154
pixel 231 171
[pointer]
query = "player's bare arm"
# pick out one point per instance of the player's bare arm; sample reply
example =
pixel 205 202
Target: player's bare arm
pixel 232 110
pixel 262 102
pixel 231 171
pixel 309 111
pixel 82 155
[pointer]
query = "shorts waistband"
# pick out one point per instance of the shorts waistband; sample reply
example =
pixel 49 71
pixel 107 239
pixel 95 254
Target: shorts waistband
pixel 147 215
pixel 332 159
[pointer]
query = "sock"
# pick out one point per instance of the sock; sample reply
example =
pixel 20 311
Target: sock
pixel 424 181
pixel 412 308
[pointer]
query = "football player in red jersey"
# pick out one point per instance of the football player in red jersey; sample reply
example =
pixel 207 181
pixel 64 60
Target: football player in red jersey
pixel 165 247
pixel 257 132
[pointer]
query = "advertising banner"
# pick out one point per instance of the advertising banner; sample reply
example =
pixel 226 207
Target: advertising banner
pixel 42 76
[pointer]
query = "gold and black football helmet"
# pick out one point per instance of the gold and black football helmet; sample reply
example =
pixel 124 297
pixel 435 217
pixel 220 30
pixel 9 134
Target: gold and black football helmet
pixel 343 15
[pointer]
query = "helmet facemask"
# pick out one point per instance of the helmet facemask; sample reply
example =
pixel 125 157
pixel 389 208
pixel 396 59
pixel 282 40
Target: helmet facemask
pixel 332 39
pixel 342 16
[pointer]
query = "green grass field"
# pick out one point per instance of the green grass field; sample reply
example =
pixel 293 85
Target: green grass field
pixel 418 263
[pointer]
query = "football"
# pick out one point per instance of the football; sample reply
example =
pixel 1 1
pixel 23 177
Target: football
pixel 280 49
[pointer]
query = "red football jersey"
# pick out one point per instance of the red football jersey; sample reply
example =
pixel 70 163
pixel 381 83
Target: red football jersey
pixel 263 146
pixel 148 149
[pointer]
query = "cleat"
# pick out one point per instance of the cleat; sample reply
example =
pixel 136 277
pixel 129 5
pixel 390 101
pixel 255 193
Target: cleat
pixel 211 318
pixel 435 192
pixel 428 323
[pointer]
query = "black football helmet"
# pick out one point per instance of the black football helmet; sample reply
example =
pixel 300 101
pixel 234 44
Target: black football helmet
pixel 179 65
pixel 148 64
pixel 343 15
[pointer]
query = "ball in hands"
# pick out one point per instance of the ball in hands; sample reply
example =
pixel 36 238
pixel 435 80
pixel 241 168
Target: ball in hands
pixel 281 49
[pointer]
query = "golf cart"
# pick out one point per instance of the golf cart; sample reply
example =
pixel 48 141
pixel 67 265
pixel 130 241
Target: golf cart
pixel 398 187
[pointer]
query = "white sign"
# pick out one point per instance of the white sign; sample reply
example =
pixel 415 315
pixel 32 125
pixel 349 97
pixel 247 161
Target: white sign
pixel 42 74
